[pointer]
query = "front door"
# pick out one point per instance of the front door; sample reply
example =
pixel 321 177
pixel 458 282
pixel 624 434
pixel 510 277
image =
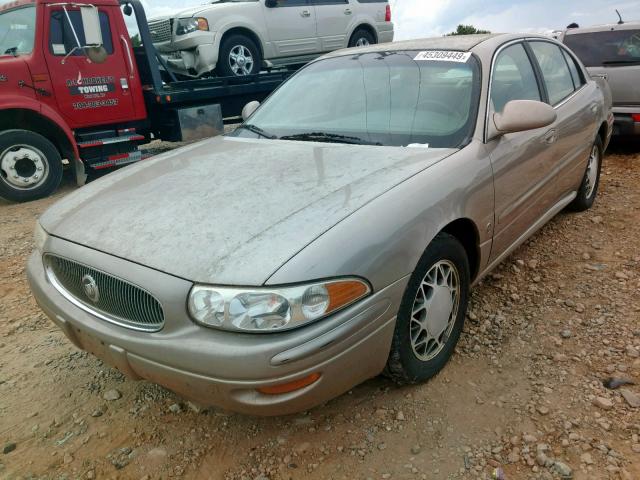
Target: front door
pixel 333 18
pixel 292 28
pixel 521 161
pixel 88 93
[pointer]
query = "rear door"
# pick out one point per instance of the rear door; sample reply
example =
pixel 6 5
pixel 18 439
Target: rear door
pixel 577 105
pixel 292 28
pixel 333 20
pixel 521 161
pixel 88 93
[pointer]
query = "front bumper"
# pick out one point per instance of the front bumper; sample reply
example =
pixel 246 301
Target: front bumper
pixel 224 368
pixel 193 54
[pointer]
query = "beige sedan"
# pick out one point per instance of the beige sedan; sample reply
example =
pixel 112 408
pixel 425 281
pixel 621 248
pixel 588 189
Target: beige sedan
pixel 337 233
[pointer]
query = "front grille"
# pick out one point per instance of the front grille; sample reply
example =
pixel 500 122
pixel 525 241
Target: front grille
pixel 105 296
pixel 160 31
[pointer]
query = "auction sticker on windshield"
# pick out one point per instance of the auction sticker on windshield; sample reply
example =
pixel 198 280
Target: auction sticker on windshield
pixel 443 56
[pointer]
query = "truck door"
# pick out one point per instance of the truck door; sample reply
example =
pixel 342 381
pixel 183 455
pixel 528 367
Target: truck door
pixel 89 93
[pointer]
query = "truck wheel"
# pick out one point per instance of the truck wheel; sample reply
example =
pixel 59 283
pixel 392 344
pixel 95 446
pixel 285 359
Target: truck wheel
pixel 361 38
pixel 30 166
pixel 239 56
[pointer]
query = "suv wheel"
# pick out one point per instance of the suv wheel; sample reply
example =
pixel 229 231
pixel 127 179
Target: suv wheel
pixel 239 56
pixel 361 38
pixel 431 314
pixel 30 166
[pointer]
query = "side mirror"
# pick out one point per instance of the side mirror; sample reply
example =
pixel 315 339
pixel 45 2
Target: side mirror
pixel 127 10
pixel 523 115
pixel 248 109
pixel 271 3
pixel 91 26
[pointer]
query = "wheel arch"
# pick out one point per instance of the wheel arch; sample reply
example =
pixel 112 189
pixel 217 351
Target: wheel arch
pixel 466 232
pixel 26 119
pixel 602 133
pixel 247 32
pixel 364 26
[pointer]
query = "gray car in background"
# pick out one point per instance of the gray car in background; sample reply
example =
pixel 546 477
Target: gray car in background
pixel 613 51
pixel 334 235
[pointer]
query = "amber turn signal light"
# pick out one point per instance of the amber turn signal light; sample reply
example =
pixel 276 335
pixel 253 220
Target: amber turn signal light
pixel 290 386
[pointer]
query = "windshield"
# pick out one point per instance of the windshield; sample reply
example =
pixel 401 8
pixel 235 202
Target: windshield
pixel 17 31
pixel 618 47
pixel 382 98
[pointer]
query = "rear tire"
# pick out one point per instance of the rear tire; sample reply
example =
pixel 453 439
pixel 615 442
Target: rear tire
pixel 239 56
pixel 588 190
pixel 362 38
pixel 30 166
pixel 431 314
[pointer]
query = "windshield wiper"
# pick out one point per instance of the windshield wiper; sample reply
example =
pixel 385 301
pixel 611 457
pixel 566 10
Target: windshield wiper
pixel 329 137
pixel 621 62
pixel 258 130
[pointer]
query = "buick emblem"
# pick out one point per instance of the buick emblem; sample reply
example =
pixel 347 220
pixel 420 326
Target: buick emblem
pixel 90 288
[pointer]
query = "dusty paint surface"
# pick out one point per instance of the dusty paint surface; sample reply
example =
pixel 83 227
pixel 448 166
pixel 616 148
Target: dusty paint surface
pixel 230 211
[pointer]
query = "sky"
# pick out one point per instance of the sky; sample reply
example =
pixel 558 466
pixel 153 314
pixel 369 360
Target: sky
pixel 425 18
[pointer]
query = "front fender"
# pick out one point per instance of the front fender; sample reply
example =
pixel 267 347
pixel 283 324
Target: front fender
pixel 17 102
pixel 384 240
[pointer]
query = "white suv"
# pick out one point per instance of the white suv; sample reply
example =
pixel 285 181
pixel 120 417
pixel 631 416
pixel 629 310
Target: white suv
pixel 241 37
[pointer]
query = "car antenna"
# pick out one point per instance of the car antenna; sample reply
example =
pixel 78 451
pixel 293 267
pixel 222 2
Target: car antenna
pixel 620 22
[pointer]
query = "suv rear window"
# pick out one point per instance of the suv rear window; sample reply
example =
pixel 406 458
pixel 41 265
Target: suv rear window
pixel 595 49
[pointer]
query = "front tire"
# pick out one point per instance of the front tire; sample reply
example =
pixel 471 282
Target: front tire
pixel 362 38
pixel 431 314
pixel 30 166
pixel 588 190
pixel 239 57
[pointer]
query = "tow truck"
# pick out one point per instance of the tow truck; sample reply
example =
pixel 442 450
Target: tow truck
pixel 75 93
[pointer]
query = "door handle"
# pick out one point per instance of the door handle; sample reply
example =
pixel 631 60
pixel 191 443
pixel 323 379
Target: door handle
pixel 125 46
pixel 305 13
pixel 551 136
pixel 347 11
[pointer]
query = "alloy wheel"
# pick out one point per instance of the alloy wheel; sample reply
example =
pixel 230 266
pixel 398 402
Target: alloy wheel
pixel 241 60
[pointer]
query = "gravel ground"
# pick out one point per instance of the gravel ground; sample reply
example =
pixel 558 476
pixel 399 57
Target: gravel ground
pixel 523 393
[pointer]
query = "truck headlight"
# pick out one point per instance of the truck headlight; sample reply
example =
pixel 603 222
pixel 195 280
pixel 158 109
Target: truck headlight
pixel 272 309
pixel 192 24
pixel 40 237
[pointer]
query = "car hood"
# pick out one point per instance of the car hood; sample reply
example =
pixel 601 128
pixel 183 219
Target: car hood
pixel 230 210
pixel 193 11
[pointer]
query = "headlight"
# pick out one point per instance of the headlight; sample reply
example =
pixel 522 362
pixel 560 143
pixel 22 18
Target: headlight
pixel 188 25
pixel 272 309
pixel 39 237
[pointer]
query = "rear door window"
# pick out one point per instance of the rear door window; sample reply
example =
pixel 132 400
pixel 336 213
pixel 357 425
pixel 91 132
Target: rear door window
pixel 62 40
pixel 595 49
pixel 576 75
pixel 555 71
pixel 513 78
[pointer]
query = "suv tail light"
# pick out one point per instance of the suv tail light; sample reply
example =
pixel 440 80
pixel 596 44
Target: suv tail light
pixel 636 117
pixel 387 16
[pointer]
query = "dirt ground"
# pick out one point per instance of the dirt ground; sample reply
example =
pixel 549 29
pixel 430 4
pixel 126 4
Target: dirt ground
pixel 524 391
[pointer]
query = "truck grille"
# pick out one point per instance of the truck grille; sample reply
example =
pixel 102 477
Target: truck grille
pixel 105 296
pixel 160 31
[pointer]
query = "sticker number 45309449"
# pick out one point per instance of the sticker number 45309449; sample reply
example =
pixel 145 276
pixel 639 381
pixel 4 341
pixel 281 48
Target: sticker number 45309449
pixel 443 56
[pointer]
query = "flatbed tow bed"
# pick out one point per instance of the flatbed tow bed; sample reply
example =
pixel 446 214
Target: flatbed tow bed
pixel 56 102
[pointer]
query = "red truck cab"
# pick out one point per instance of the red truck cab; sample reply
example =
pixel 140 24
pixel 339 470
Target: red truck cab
pixel 56 103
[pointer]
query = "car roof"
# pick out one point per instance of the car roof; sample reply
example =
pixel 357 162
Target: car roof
pixel 463 43
pixel 604 28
